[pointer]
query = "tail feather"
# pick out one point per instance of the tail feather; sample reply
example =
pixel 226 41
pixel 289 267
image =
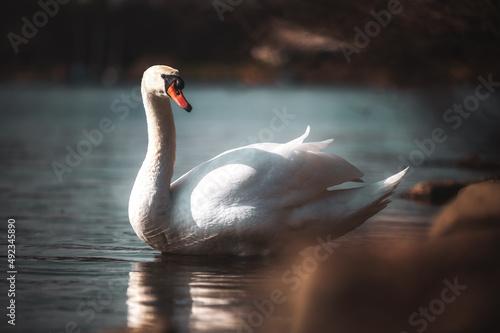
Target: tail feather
pixel 394 180
pixel 340 211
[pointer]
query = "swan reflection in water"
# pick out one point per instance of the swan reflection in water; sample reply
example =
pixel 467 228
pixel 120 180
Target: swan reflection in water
pixel 184 293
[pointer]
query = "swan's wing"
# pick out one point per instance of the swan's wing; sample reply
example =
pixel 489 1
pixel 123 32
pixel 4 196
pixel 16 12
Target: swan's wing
pixel 274 174
pixel 305 171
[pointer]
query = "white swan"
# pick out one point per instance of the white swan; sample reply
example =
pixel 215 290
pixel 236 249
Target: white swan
pixel 254 200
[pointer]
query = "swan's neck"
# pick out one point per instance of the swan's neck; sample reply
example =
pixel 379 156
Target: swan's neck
pixel 150 200
pixel 161 138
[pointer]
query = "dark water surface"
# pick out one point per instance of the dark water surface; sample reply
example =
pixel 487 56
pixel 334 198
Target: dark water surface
pixel 81 267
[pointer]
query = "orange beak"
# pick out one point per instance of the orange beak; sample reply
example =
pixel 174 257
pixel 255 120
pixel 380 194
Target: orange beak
pixel 178 97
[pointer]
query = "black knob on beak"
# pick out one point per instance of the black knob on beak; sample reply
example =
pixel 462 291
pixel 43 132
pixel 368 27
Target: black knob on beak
pixel 169 79
pixel 179 83
pixel 173 87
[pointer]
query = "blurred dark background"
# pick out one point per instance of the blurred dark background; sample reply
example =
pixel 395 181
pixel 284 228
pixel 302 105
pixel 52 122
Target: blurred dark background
pixel 254 41
pixel 382 104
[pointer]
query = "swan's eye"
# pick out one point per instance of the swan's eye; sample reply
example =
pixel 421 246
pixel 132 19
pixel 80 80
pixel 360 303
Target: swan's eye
pixel 164 76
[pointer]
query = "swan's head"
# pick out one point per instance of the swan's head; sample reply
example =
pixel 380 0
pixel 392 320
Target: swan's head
pixel 165 82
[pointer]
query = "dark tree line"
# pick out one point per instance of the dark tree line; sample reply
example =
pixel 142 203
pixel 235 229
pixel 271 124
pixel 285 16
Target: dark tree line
pixel 423 41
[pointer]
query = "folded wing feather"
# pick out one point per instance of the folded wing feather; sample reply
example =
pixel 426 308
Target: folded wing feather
pixel 280 175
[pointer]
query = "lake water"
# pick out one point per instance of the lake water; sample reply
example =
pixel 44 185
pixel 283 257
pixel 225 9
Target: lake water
pixel 80 266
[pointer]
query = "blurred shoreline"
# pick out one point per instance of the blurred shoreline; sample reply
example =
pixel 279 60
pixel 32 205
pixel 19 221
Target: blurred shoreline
pixel 421 44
